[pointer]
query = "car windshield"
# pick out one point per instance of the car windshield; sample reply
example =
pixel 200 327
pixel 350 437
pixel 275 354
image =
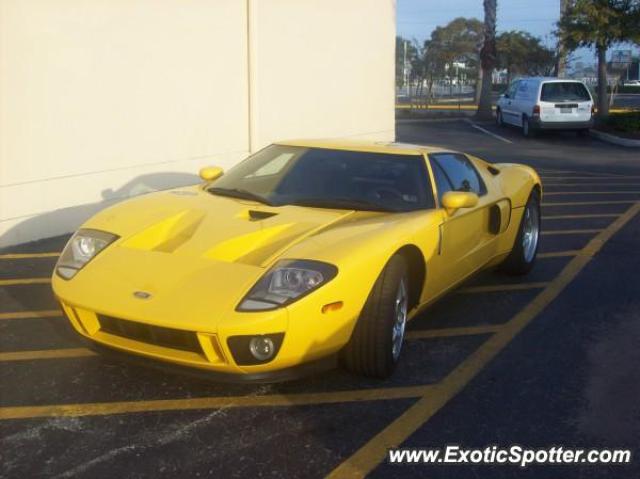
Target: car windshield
pixel 325 178
pixel 564 91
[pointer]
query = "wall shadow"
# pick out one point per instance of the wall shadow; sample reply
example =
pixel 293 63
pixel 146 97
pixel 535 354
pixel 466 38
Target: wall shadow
pixel 66 220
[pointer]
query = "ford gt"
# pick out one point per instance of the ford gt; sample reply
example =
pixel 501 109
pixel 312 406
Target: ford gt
pixel 307 253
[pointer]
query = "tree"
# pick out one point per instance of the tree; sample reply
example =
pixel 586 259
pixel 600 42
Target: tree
pixel 521 53
pixel 600 24
pixel 487 58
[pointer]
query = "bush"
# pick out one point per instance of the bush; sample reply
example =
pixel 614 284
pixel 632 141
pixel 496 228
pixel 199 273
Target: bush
pixel 628 122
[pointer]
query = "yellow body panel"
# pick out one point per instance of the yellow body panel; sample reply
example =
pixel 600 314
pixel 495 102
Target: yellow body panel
pixel 197 255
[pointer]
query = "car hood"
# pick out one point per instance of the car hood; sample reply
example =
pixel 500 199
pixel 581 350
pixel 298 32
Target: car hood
pixel 192 223
pixel 189 249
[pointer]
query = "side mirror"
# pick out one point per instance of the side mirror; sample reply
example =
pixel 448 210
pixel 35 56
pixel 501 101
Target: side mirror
pixel 454 200
pixel 211 173
pixel 505 95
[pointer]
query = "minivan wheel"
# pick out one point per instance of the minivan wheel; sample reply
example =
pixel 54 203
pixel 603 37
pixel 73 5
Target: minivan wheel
pixel 527 131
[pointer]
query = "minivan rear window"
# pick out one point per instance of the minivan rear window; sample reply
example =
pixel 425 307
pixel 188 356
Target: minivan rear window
pixel 564 91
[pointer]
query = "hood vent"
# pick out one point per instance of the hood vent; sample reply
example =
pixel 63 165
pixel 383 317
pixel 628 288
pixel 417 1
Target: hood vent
pixel 255 215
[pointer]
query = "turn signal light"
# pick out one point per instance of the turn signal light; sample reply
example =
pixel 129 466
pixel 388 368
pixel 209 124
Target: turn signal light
pixel 327 308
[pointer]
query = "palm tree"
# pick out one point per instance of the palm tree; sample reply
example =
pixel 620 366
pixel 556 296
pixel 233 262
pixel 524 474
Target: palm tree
pixel 487 58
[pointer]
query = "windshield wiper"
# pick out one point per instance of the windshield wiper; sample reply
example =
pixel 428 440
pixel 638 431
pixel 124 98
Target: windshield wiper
pixel 341 204
pixel 239 193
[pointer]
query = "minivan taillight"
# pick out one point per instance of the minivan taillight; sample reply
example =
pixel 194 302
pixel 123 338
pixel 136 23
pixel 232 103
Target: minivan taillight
pixel 536 110
pixel 593 110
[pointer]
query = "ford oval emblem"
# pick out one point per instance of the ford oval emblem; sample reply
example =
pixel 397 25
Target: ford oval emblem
pixel 142 294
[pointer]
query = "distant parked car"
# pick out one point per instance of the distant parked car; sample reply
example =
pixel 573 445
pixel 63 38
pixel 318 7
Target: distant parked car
pixel 541 103
pixel 631 83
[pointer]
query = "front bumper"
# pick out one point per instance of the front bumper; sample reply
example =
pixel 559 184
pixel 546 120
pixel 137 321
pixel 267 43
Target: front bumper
pixel 309 344
pixel 538 124
pixel 286 374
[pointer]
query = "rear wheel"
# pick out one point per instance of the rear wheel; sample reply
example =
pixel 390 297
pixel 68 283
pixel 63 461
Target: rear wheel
pixel 527 130
pixel 376 342
pixel 525 250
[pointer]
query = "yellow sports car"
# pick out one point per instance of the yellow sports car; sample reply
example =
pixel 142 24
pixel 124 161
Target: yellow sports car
pixel 304 253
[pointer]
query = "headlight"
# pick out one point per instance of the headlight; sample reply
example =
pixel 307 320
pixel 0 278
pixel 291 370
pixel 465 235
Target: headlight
pixel 80 249
pixel 286 282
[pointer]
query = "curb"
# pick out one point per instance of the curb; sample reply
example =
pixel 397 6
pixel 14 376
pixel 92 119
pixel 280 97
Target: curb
pixel 614 140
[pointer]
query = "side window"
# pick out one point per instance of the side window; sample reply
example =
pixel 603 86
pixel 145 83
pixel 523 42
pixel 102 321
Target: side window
pixel 521 93
pixel 455 172
pixel 512 89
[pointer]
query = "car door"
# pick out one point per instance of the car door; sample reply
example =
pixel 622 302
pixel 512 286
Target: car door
pixel 466 243
pixel 508 105
pixel 522 101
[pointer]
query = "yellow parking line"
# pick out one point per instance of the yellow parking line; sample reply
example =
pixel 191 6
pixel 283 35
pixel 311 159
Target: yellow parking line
pixel 373 452
pixel 48 313
pixel 577 217
pixel 501 287
pixel 28 255
pixel 625 177
pixel 450 332
pixel 571 232
pixel 556 193
pixel 46 354
pixel 558 254
pixel 124 407
pixel 588 203
pixel 548 184
pixel 13 282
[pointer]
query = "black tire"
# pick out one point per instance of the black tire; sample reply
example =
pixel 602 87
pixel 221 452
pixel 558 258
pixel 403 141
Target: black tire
pixel 499 120
pixel 527 130
pixel 583 132
pixel 517 262
pixel 369 351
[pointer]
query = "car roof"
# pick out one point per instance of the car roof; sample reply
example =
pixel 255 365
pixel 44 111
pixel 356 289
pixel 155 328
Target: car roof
pixel 550 79
pixel 365 146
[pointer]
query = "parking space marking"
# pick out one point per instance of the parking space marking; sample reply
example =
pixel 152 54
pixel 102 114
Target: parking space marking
pixel 501 287
pixel 498 137
pixel 217 402
pixel 46 313
pixel 551 184
pixel 588 203
pixel 46 354
pixel 570 232
pixel 13 282
pixel 28 255
pixel 545 177
pixel 580 216
pixel 558 254
pixel 374 451
pixel 556 193
pixel 452 332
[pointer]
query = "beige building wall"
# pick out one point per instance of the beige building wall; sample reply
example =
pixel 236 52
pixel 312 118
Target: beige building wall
pixel 104 99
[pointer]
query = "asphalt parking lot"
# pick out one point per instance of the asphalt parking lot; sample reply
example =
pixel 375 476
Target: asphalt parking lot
pixel 547 359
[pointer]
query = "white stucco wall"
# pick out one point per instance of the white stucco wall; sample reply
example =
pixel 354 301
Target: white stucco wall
pixel 103 99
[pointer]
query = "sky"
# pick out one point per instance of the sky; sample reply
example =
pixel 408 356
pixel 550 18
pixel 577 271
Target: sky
pixel 418 18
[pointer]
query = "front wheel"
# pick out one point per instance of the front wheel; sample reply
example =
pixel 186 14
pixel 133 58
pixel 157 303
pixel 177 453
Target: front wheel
pixel 376 342
pixel 525 250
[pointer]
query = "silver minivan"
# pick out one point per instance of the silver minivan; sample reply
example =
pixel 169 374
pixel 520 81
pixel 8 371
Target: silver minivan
pixel 542 103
